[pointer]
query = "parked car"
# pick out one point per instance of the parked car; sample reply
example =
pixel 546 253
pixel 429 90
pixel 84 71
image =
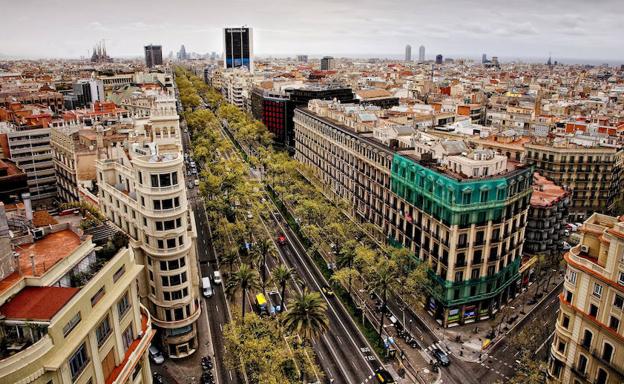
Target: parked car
pixel 281 239
pixel 196 182
pixel 566 246
pixel 384 377
pixel 190 185
pixel 566 232
pixel 207 287
pixel 441 357
pixel 249 215
pixel 216 277
pixel 156 356
pixel 327 291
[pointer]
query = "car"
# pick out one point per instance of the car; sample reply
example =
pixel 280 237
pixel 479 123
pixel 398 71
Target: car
pixel 190 185
pixel 384 377
pixel 281 239
pixel 155 355
pixel 196 182
pixel 571 227
pixel 566 232
pixel 441 357
pixel 566 246
pixel 249 215
pixel 327 290
pixel 207 287
pixel 216 277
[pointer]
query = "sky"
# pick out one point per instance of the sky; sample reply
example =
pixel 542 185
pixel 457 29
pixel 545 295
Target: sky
pixel 574 29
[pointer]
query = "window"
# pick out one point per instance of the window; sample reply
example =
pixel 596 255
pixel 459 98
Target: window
pixel 119 273
pixel 569 296
pixel 459 276
pixel 582 364
pixel 565 321
pixel 98 295
pixel 607 352
pixel 614 323
pixel 127 337
pixel 103 331
pixel 561 347
pixel 601 377
pixel 597 290
pixel 78 361
pixel 571 277
pixel 71 324
pixel 621 278
pixel 123 305
pixel 475 274
pixel 593 310
pixel 587 338
pixel 618 302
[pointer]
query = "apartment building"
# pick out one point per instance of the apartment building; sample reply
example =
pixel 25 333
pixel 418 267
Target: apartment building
pixel 548 214
pixel 592 174
pixel 464 214
pixel 142 191
pixel 588 346
pixel 68 313
pixel 30 149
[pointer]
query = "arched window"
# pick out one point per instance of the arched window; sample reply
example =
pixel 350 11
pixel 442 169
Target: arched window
pixel 587 338
pixel 607 352
pixel 601 377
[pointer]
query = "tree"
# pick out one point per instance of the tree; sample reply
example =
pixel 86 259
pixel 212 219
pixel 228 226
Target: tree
pixel 230 257
pixel 528 371
pixel 382 280
pixel 281 275
pixel 307 315
pixel 346 258
pixel 244 279
pixel 264 247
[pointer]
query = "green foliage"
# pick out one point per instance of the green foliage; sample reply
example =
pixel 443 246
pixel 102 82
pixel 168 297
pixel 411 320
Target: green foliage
pixel 307 315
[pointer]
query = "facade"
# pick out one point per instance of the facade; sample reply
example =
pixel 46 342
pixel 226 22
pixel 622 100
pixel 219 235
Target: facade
pixel 438 59
pixel 548 214
pixel 153 55
pixel 593 175
pixel 238 44
pixel 31 151
pixel 143 193
pixel 13 182
pixel 469 229
pixel 328 63
pixel 588 345
pixel 62 329
pixel 408 53
pixel 421 54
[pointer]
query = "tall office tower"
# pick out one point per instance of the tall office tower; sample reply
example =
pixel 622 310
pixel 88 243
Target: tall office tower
pixel 408 52
pixel 327 63
pixel 495 61
pixel 439 59
pixel 141 190
pixel 462 211
pixel 588 346
pixel 238 47
pixel 182 53
pixel 69 312
pixel 421 54
pixel 153 55
pixel 484 59
pixel 302 58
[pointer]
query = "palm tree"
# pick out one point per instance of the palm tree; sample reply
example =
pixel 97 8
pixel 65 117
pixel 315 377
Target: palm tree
pixel 281 275
pixel 307 315
pixel 346 257
pixel 230 257
pixel 243 279
pixel 264 248
pixel 382 280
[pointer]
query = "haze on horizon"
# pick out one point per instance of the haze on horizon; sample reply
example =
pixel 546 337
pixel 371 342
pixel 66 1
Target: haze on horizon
pixel 585 30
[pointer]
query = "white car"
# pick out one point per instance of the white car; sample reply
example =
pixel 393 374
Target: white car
pixel 155 355
pixel 196 182
pixel 207 288
pixel 249 215
pixel 216 277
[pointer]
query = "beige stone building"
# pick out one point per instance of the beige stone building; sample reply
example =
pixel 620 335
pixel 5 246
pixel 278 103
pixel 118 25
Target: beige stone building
pixel 588 346
pixel 142 191
pixel 69 314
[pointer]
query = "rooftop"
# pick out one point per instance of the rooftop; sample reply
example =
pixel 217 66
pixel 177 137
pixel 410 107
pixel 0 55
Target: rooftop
pixel 545 192
pixel 37 303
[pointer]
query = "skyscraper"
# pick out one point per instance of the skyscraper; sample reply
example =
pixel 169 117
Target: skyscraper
pixel 153 55
pixel 439 59
pixel 484 59
pixel 182 53
pixel 408 52
pixel 421 54
pixel 238 46
pixel 327 63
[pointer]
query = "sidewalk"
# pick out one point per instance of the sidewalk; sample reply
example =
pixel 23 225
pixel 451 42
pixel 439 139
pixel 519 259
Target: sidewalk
pixel 188 370
pixel 466 342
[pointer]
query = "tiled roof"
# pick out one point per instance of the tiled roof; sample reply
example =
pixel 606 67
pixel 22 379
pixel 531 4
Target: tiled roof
pixel 37 303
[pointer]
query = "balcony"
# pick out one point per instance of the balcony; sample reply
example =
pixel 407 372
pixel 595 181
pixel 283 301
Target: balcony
pixel 25 357
pixel 135 351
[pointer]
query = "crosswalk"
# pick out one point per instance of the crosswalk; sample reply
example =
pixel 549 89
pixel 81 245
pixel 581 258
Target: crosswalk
pixel 437 345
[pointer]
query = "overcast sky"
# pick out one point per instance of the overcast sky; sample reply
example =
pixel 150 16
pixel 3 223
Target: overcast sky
pixel 583 29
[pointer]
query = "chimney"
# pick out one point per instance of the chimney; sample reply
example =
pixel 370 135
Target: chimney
pixel 27 205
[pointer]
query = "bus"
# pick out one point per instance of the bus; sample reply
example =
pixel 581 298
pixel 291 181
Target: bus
pixel 261 304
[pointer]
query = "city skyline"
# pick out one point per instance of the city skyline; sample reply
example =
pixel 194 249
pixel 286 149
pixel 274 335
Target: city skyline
pixel 578 32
